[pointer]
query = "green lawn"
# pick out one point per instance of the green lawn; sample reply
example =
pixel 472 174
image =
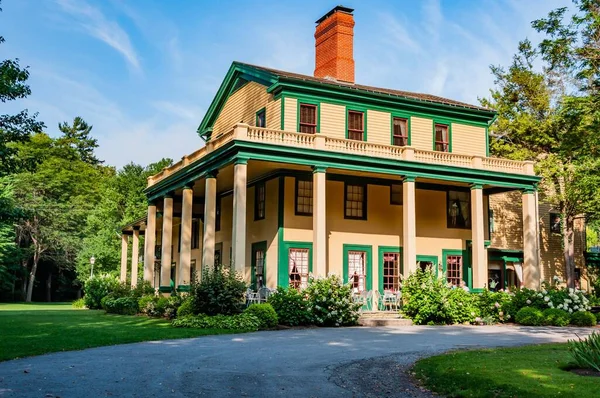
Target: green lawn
pixel 33 329
pixel 530 371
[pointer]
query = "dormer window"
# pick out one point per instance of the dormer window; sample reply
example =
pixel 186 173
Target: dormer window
pixel 356 126
pixel 308 118
pixel 442 143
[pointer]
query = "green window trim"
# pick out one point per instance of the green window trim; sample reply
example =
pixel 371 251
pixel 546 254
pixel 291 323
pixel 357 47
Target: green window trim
pixel 466 271
pixel 368 266
pixel 400 115
pixel 296 181
pixel 387 249
pixel 258 112
pixel 283 277
pixel 433 259
pixel 444 122
pixel 256 247
pixel 302 101
pixel 365 202
pixel 365 124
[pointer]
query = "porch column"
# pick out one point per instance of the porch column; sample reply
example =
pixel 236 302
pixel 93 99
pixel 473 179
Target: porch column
pixel 531 260
pixel 239 216
pixel 166 250
pixel 149 244
pixel 124 242
pixel 409 227
pixel 210 211
pixel 479 262
pixel 185 254
pixel 319 221
pixel 135 253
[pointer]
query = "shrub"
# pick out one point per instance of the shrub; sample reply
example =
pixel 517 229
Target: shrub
pixel 219 292
pixel 290 306
pixel 330 302
pixel 586 352
pixel 143 288
pixel 185 309
pixel 120 305
pixel 490 306
pixel 160 306
pixel 240 322
pixel 173 303
pixel 97 287
pixel 265 314
pixel 583 318
pixel 147 303
pixel 426 298
pixel 458 306
pixel 529 316
pixel 555 317
pixel 79 303
pixel 521 298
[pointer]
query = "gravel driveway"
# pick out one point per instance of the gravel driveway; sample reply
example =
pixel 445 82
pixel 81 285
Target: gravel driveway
pixel 347 362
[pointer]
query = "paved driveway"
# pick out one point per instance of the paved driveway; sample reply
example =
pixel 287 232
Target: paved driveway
pixel 292 363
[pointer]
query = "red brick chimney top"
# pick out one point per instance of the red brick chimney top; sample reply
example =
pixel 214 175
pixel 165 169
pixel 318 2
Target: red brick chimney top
pixel 334 45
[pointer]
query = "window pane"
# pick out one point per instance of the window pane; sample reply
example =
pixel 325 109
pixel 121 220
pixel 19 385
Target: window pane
pixel 259 207
pixel 400 131
pixel 259 269
pixel 357 270
pixel 355 125
pixel 304 197
pixel 261 119
pixel 441 138
pixel 308 118
pixel 391 271
pixel 459 209
pixel 298 268
pixel 396 194
pixel 454 270
pixel 355 201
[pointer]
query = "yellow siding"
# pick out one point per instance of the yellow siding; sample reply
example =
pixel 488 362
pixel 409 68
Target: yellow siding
pixel 379 127
pixel 274 114
pixel 291 114
pixel 421 131
pixel 468 140
pixel 333 120
pixel 242 107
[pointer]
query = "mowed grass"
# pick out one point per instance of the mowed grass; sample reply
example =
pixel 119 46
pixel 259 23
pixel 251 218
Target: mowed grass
pixel 34 329
pixel 530 371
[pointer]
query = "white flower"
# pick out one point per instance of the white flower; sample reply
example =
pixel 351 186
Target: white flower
pixel 540 295
pixel 546 299
pixel 550 304
pixel 570 310
pixel 560 306
pixel 497 305
pixel 528 301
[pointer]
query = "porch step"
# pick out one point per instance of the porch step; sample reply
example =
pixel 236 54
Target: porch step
pixel 380 314
pixel 374 322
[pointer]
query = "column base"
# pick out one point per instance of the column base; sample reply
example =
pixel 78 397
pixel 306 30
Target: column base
pixel 183 288
pixel 165 289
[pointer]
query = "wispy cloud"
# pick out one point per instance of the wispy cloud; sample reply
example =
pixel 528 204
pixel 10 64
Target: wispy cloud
pixel 91 20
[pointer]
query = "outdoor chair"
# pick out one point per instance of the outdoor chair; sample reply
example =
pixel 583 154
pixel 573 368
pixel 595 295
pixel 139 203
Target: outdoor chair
pixel 263 294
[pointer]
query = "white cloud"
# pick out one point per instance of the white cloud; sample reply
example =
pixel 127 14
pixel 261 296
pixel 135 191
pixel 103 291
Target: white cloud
pixel 93 22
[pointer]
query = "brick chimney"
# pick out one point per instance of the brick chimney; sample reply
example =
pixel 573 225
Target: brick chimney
pixel 334 45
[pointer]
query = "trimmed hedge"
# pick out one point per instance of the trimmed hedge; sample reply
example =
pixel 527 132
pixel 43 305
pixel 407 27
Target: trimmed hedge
pixel 529 316
pixel 583 318
pixel 120 305
pixel 265 314
pixel 243 321
pixel 556 317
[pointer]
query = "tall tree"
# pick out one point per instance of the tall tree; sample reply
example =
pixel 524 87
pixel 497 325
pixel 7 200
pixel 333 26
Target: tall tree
pixel 78 136
pixel 14 128
pixel 546 116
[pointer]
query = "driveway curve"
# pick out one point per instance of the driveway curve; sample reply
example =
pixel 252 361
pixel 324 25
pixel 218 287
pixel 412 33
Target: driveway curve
pixel 292 363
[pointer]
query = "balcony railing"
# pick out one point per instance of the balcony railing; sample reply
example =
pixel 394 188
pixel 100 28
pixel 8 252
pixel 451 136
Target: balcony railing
pixel 243 132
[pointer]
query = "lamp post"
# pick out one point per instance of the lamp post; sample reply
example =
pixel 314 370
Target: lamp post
pixel 92 261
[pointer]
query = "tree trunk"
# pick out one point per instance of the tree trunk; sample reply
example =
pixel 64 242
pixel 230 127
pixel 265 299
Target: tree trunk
pixel 49 288
pixel 569 250
pixel 36 259
pixel 24 284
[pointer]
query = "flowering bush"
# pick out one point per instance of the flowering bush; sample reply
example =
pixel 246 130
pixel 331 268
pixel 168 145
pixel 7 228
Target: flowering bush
pixel 290 306
pixel 330 302
pixel 97 287
pixel 570 300
pixel 218 292
pixel 459 306
pixel 490 306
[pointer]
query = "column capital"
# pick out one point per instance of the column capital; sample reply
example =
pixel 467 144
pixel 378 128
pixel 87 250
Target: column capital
pixel 532 189
pixel 151 202
pixel 318 168
pixel 241 160
pixel 409 179
pixel 212 173
pixel 136 227
pixel 169 195
pixel 476 186
pixel 189 185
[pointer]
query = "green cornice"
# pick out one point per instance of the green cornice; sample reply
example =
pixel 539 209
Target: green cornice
pixel 241 160
pixel 409 179
pixel 319 168
pixel 476 186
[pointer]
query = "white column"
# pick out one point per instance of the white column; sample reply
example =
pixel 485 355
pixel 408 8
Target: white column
pixel 166 249
pixel 319 221
pixel 531 260
pixel 135 253
pixel 409 227
pixel 185 255
pixel 239 216
pixel 210 211
pixel 479 260
pixel 149 244
pixel 124 239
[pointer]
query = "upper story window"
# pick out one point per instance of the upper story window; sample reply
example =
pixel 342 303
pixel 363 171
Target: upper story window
pixel 259 201
pixel 355 202
pixel 458 209
pixel 261 118
pixel 442 141
pixel 400 131
pixel 356 125
pixel 308 118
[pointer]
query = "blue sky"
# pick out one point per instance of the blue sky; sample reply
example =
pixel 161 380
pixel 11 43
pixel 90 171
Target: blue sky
pixel 143 72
